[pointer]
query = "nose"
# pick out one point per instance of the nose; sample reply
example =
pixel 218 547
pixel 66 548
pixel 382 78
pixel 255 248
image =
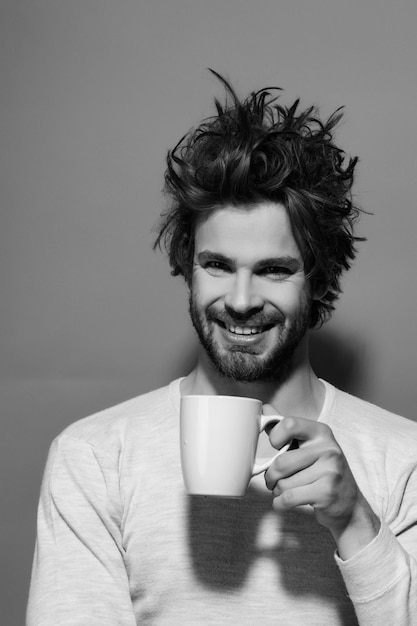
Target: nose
pixel 242 298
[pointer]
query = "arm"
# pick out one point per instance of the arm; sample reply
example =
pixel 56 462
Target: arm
pixel 378 564
pixel 382 580
pixel 78 573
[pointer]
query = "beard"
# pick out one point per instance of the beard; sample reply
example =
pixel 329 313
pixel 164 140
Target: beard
pixel 247 363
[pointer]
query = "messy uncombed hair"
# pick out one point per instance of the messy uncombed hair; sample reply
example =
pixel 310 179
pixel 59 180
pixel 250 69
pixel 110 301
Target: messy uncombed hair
pixel 257 150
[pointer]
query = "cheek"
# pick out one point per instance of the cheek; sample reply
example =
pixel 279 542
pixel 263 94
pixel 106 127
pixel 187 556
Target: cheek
pixel 207 289
pixel 289 298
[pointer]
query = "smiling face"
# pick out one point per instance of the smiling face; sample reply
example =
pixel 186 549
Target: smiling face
pixel 249 296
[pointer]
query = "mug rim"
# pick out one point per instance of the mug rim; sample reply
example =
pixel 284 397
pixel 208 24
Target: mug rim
pixel 220 397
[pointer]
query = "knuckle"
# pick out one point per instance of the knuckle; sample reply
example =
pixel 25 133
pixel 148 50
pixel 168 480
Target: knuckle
pixel 324 429
pixel 335 460
pixel 332 453
pixel 288 423
pixel 287 498
pixel 324 433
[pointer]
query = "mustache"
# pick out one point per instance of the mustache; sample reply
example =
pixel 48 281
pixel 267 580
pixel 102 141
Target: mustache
pixel 259 318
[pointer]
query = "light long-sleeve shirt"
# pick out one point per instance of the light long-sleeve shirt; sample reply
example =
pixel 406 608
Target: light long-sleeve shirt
pixel 120 543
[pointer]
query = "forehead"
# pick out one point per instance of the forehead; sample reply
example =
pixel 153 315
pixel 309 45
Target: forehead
pixel 249 233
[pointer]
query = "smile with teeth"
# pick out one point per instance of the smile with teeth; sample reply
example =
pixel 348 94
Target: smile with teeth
pixel 245 330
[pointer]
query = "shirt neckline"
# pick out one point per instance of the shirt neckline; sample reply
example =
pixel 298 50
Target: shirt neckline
pixel 325 414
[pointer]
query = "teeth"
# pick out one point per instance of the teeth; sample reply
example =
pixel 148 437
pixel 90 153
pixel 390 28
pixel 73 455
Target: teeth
pixel 245 330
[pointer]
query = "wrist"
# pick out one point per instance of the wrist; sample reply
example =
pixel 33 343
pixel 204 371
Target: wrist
pixel 362 528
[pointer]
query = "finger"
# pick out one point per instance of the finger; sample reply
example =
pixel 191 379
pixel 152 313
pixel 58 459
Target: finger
pixel 291 498
pixel 299 428
pixel 289 463
pixel 306 477
pixel 322 495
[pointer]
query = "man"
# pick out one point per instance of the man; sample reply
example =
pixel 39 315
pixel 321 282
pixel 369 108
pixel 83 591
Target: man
pixel 261 228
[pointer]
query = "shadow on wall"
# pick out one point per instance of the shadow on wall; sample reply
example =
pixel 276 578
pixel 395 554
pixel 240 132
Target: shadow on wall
pixel 339 359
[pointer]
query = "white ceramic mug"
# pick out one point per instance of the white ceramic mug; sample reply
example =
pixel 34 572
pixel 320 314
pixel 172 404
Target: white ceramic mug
pixel 218 441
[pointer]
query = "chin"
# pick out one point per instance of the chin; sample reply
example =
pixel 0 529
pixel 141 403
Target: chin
pixel 246 367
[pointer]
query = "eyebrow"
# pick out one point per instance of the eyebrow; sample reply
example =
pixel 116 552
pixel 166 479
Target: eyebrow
pixel 208 255
pixel 293 263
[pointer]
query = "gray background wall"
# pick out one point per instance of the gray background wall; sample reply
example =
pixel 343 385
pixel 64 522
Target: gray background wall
pixel 93 92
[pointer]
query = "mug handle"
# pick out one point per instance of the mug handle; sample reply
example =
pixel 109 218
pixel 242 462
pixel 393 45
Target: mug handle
pixel 266 420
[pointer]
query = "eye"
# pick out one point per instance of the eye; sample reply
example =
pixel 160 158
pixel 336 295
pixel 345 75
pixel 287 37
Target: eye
pixel 276 272
pixel 216 268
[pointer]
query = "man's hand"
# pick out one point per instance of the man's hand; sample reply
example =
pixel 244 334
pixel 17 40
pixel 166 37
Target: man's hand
pixel 317 473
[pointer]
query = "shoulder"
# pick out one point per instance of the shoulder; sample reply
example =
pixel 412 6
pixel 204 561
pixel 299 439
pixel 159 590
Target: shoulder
pixel 364 420
pixel 374 440
pixel 96 454
pixel 380 446
pixel 135 418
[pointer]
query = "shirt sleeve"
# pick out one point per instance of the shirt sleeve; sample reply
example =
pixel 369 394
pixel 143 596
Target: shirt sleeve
pixel 78 575
pixel 381 579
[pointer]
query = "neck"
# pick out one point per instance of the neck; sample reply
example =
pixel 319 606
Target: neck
pixel 300 393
